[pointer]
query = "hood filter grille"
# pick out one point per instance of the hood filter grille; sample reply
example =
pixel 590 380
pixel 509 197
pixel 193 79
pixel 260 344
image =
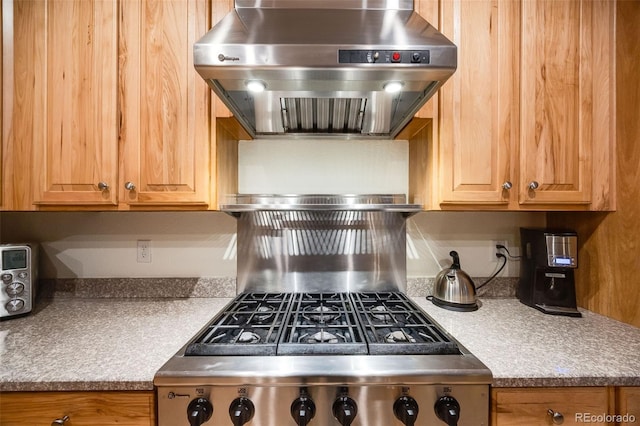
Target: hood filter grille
pixel 324 115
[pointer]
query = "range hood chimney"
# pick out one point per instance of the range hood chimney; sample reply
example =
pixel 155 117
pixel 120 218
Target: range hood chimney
pixel 345 68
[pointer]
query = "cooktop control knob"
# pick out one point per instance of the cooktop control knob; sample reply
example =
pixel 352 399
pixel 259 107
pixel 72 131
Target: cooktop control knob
pixel 406 410
pixel 448 410
pixel 241 411
pixel 303 409
pixel 345 410
pixel 199 411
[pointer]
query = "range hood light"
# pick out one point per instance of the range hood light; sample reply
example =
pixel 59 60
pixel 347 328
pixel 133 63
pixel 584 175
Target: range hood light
pixel 393 86
pixel 256 86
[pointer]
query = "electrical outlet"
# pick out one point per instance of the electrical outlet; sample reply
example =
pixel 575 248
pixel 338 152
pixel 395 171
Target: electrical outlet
pixel 495 250
pixel 144 251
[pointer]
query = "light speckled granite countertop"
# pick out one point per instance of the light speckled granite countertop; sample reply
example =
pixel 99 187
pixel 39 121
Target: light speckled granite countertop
pixel 97 344
pixel 118 344
pixel 524 347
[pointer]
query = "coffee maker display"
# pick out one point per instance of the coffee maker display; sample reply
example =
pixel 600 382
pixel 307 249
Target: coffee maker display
pixel 549 258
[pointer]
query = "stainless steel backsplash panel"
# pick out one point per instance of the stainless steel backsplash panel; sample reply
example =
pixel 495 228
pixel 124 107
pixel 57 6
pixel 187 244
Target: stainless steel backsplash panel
pixel 297 251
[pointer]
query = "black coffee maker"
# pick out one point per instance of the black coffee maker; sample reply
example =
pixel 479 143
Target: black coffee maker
pixel 549 258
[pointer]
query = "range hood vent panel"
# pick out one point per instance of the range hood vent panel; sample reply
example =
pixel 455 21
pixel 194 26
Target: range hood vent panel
pixel 317 59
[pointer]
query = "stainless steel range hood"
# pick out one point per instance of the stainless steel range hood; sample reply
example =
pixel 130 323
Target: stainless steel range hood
pixel 325 67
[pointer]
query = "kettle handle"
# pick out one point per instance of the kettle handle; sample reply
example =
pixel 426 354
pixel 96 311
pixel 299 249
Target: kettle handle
pixel 456 259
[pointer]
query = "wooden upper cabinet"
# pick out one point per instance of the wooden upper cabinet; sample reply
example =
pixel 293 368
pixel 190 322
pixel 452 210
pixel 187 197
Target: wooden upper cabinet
pixel 67 104
pixel 567 102
pixel 531 106
pixel 107 111
pixel 165 105
pixel 478 104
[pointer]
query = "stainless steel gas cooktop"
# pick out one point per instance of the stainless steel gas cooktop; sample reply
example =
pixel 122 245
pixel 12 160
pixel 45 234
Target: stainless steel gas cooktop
pixel 323 359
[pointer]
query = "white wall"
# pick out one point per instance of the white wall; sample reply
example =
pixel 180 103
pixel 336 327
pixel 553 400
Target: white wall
pixel 103 245
pixel 471 234
pixel 198 244
pixel 323 166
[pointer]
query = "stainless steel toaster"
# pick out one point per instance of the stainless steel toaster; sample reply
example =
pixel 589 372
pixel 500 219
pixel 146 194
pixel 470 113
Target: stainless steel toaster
pixel 18 279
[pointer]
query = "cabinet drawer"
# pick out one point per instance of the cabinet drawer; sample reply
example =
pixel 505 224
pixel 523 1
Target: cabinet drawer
pixel 531 406
pixel 82 408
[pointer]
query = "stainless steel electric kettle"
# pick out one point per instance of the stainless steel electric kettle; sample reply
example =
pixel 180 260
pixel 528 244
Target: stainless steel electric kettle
pixel 454 289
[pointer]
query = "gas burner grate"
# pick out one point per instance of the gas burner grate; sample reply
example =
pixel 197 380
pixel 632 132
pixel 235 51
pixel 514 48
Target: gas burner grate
pixel 394 325
pixel 249 325
pixel 376 323
pixel 322 323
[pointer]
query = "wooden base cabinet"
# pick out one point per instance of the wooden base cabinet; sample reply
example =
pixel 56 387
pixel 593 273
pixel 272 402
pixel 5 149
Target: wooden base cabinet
pixel 549 406
pixel 628 404
pixel 136 408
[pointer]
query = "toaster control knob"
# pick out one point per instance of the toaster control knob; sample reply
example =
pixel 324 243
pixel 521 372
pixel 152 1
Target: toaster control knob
pixel 303 409
pixel 241 411
pixel 199 411
pixel 15 289
pixel 14 305
pixel 448 410
pixel 345 410
pixel 406 410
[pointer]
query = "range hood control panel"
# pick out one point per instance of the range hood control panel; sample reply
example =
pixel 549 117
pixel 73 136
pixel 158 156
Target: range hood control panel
pixel 360 56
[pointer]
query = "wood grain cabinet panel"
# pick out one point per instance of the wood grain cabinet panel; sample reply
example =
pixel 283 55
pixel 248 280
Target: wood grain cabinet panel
pixel 82 408
pixel 479 106
pixel 106 110
pixel 538 406
pixel 527 122
pixel 165 105
pixel 628 404
pixel 567 102
pixel 65 99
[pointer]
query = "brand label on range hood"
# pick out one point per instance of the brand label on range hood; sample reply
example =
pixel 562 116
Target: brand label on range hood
pixel 223 58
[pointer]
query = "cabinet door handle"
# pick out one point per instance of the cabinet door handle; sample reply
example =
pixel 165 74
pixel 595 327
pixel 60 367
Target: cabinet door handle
pixel 507 185
pixel 103 186
pixel 533 185
pixel 61 421
pixel 129 186
pixel 556 417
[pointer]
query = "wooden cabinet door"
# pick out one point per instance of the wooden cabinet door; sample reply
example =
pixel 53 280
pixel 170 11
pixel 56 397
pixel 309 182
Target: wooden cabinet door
pixel 628 404
pixel 82 408
pixel 566 98
pixel 538 406
pixel 69 107
pixel 165 128
pixel 79 128
pixel 479 109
